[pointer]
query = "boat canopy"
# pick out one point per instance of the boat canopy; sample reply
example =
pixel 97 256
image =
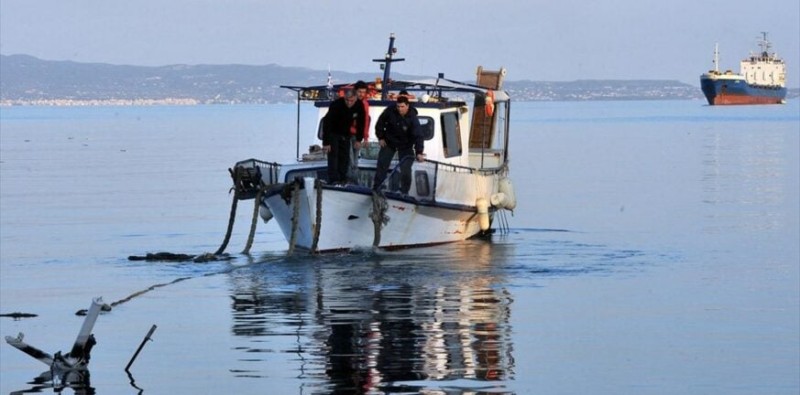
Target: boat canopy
pixel 446 85
pixel 433 86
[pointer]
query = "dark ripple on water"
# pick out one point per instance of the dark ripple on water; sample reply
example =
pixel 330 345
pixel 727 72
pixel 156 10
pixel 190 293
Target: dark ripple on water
pixel 552 253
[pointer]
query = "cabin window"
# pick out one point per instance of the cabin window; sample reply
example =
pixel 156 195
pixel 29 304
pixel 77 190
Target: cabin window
pixel 501 127
pixel 422 183
pixel 451 134
pixel 426 127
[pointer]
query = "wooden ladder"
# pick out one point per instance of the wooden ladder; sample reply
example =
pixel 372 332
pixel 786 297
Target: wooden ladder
pixel 483 126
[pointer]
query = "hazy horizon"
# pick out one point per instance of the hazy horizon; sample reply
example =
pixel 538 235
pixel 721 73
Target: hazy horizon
pixel 538 41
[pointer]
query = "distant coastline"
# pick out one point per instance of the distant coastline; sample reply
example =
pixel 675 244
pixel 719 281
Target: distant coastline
pixel 99 102
pixel 26 80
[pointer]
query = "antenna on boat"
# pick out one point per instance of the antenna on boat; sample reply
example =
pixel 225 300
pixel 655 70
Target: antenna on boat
pixel 716 57
pixel 764 44
pixel 329 83
pixel 386 66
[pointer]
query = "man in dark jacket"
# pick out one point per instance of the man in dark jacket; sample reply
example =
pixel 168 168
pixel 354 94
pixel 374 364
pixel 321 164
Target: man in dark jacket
pixel 343 120
pixel 398 131
pixel 355 149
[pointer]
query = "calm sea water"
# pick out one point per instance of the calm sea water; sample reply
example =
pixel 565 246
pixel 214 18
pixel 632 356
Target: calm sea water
pixel 655 249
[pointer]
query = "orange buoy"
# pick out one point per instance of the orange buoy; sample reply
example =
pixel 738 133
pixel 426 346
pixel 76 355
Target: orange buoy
pixel 489 103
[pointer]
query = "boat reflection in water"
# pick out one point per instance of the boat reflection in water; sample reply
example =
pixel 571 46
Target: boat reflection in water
pixel 359 322
pixel 77 381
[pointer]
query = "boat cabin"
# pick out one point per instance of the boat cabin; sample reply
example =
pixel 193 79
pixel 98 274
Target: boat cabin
pixel 458 129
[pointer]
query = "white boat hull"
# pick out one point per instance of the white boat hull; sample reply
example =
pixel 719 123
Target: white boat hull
pixel 345 220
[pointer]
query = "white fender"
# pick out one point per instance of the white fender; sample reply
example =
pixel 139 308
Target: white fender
pixel 483 213
pixel 506 188
pixel 499 200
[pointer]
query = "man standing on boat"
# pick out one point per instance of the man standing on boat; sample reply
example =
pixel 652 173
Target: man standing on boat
pixel 355 145
pixel 345 118
pixel 398 131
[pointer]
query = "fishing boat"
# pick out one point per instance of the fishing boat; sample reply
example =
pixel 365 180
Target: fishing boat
pixel 761 80
pixel 461 190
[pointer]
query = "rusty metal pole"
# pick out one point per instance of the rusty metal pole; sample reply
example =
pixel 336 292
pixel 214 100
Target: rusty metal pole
pixel 136 354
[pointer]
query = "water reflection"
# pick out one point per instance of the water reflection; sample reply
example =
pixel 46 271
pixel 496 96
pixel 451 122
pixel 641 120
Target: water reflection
pixel 743 180
pixel 357 322
pixel 77 381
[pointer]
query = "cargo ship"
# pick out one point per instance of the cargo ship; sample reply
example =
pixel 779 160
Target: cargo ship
pixel 761 79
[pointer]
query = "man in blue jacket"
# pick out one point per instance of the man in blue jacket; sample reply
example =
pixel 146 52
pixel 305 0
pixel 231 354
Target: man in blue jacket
pixel 398 131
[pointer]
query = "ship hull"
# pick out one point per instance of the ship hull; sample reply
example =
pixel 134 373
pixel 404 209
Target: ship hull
pixel 340 218
pixel 733 91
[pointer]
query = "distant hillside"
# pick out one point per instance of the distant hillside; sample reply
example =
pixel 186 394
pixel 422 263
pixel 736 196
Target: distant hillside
pixel 29 80
pixel 603 90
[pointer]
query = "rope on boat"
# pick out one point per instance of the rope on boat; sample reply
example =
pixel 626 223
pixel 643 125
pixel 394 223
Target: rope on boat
pixel 318 223
pixel 504 227
pixel 387 178
pixel 246 182
pixel 378 216
pixel 227 239
pixel 109 306
pixel 254 221
pixel 144 291
pixel 295 216
pixel 379 204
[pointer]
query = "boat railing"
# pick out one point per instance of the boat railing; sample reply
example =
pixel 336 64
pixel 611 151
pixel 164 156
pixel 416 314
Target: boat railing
pixel 432 180
pixel 449 183
pixel 441 166
pixel 370 150
pixel 251 175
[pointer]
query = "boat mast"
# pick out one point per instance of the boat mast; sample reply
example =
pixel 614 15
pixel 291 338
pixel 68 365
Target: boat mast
pixel 764 44
pixel 386 66
pixel 716 58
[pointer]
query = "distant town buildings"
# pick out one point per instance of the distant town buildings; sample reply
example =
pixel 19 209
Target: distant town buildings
pixel 99 102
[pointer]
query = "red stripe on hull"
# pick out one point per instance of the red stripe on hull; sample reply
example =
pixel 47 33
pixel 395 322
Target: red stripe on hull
pixel 741 99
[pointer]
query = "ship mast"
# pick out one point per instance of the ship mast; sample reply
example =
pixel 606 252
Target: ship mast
pixel 386 66
pixel 764 44
pixel 716 58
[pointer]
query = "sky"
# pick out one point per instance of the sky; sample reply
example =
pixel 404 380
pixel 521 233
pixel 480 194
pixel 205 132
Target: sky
pixel 539 40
